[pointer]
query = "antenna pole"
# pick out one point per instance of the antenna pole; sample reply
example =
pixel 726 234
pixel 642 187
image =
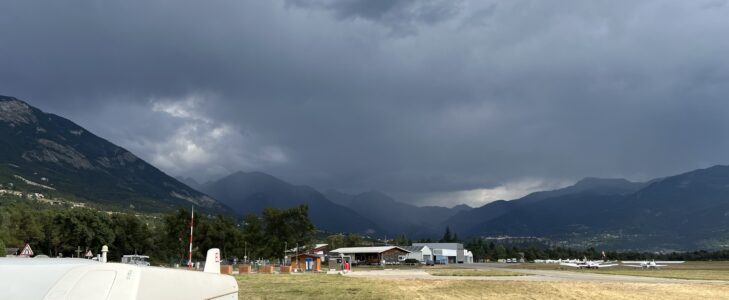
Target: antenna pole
pixel 192 221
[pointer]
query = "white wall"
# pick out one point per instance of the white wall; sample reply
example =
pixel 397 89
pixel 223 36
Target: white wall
pixel 421 256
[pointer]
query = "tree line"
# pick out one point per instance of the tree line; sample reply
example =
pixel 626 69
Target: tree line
pixel 490 251
pixel 484 250
pixel 62 231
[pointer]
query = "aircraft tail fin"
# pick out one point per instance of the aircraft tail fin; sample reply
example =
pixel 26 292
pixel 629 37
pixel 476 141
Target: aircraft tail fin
pixel 212 261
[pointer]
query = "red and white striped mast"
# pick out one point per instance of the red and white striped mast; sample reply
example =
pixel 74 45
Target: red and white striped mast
pixel 192 221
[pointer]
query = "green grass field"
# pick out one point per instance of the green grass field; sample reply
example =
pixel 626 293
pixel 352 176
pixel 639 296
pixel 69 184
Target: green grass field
pixel 322 286
pixel 668 273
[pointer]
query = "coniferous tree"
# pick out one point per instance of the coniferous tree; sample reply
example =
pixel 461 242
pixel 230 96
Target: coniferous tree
pixel 447 236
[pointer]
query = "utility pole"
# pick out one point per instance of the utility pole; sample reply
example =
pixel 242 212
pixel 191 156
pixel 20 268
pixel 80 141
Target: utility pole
pixel 192 220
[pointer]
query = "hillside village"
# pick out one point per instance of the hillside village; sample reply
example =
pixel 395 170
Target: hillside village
pixel 8 189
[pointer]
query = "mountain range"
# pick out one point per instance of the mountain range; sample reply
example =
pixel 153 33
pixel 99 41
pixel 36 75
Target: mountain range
pixel 48 154
pixel 685 211
pixel 471 222
pixel 252 192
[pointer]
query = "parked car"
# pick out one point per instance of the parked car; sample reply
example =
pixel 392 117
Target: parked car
pixel 140 260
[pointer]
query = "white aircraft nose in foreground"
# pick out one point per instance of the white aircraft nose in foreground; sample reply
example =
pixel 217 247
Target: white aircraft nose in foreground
pixel 73 278
pixel 650 264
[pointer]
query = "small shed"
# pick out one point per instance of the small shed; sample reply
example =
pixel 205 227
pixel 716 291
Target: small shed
pixel 306 262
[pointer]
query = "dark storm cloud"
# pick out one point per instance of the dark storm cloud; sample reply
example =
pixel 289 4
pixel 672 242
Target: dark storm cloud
pixel 432 101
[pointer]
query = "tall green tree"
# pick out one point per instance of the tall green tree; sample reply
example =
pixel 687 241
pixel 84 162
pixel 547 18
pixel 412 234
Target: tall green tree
pixel 254 237
pixel 448 236
pixel 132 236
pixel 286 228
pixel 173 237
pixel 401 240
pixel 354 240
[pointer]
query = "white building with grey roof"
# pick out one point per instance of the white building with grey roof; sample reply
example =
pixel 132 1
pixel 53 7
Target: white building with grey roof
pixel 449 253
pixel 422 253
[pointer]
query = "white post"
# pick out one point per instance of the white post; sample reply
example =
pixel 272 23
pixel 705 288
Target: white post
pixel 104 250
pixel 192 221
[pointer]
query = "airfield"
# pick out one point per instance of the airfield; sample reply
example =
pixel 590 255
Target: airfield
pixel 495 281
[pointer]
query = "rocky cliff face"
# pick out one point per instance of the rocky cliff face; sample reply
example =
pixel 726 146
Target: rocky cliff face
pixel 16 112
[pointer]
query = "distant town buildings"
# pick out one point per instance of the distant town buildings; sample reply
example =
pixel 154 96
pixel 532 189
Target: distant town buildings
pixel 40 197
pixel 11 192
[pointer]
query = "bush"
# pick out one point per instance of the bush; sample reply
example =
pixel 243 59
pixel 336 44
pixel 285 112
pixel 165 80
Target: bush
pixel 411 261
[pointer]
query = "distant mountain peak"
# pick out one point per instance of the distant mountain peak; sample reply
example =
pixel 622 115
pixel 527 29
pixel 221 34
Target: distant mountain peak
pixel 258 174
pixel 252 192
pixel 595 181
pixel 462 207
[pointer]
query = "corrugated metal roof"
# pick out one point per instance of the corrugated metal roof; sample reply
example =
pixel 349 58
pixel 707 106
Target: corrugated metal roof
pixel 305 254
pixel 454 246
pixel 414 248
pixel 367 249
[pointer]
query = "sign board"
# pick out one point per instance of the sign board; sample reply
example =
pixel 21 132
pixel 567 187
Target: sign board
pixel 27 251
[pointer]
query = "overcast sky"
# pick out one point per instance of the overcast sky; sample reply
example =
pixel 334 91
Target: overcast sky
pixel 433 102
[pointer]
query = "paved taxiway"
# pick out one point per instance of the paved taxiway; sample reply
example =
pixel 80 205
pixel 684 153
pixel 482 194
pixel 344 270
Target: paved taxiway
pixel 533 275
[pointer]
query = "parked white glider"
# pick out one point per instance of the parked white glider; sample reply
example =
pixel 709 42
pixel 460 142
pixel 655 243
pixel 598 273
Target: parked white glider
pixel 650 264
pixel 588 264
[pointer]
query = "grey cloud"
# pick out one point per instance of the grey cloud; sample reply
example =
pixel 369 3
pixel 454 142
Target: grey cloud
pixel 401 16
pixel 486 94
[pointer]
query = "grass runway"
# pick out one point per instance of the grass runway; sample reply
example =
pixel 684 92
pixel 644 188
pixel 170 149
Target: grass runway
pixel 322 286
